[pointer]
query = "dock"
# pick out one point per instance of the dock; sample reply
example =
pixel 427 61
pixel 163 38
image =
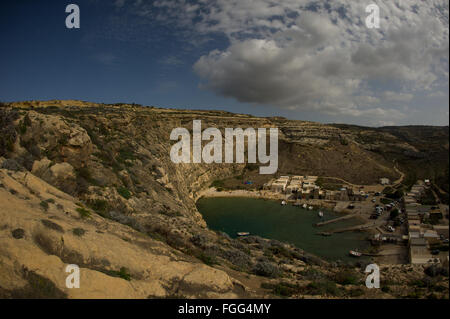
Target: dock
pixel 334 220
pixel 353 228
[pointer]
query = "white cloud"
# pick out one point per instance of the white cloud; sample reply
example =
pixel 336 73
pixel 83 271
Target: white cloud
pixel 319 56
pixel 397 97
pixel 326 60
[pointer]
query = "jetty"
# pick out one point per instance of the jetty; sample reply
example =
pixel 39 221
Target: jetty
pixel 334 220
pixel 352 228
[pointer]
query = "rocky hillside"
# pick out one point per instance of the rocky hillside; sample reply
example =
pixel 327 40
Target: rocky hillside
pixel 93 185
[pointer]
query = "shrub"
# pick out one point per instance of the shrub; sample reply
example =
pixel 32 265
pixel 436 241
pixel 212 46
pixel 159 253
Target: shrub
pixel 323 287
pixel 357 292
pixel 124 192
pixel 208 259
pixel 49 224
pixel 126 154
pixel 385 289
pixel 435 270
pixel 394 213
pixel 78 232
pixel 84 173
pixel 217 184
pixel 44 205
pixel 347 277
pixel 18 233
pixel 428 198
pixel 100 206
pixel 280 250
pixel 238 258
pixel 266 269
pixel 251 167
pixel 312 274
pixel 281 289
pixel 122 273
pixel 84 213
pixel 7 130
pixel 11 164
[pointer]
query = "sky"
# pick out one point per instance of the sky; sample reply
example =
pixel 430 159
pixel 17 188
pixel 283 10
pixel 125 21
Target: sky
pixel 301 59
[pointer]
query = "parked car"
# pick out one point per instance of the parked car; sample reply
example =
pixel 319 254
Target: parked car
pixel 391 229
pixel 435 252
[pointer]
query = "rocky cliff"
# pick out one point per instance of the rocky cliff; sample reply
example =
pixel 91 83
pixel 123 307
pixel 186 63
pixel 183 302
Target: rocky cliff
pixel 93 185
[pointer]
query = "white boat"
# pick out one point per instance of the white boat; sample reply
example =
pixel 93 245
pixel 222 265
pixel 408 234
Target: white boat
pixel 283 203
pixel 310 208
pixel 305 206
pixel 355 253
pixel 243 234
pixel 320 214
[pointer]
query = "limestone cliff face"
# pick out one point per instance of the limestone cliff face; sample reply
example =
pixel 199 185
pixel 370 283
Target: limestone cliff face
pixel 93 185
pixel 41 240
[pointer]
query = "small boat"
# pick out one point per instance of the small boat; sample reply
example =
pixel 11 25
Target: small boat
pixel 305 206
pixel 320 214
pixel 241 234
pixel 310 208
pixel 283 203
pixel 355 253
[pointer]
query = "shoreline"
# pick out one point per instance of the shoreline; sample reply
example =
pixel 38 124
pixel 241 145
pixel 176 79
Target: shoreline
pixel 268 195
pixel 336 207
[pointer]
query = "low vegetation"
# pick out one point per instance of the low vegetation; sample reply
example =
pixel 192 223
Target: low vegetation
pixel 124 192
pixel 44 205
pixel 49 224
pixel 78 232
pixel 84 213
pixel 122 273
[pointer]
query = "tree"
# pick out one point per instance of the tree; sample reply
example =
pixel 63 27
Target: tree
pixel 394 213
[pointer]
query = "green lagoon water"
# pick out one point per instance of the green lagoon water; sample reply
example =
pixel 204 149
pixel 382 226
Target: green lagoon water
pixel 268 219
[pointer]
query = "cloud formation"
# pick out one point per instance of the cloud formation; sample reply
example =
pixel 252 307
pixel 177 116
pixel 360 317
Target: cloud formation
pixel 317 55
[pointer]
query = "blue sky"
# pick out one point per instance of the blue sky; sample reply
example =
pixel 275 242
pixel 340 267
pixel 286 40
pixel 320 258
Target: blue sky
pixel 306 60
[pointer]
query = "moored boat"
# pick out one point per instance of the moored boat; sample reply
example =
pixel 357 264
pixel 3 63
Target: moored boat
pixel 243 234
pixel 320 214
pixel 355 253
pixel 283 203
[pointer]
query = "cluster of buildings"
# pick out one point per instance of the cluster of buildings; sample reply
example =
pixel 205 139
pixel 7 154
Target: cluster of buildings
pixel 422 237
pixel 304 187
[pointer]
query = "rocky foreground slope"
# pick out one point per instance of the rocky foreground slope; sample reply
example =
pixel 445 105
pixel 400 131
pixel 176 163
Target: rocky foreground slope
pixel 93 185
